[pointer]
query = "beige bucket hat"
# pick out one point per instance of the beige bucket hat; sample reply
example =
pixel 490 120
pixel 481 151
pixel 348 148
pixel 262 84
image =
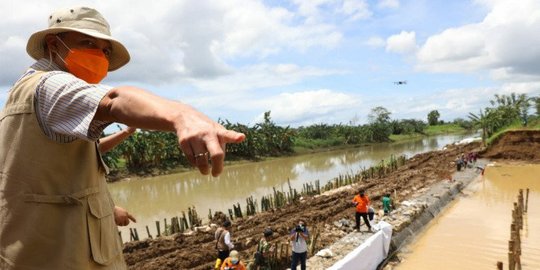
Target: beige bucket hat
pixel 84 20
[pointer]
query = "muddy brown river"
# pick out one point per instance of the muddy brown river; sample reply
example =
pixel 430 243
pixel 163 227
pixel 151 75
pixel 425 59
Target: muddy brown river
pixel 473 232
pixel 155 198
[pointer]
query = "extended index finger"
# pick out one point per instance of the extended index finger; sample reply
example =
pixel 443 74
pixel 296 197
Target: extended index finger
pixel 132 218
pixel 230 136
pixel 216 148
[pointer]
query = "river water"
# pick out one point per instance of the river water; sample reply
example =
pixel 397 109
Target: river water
pixel 473 232
pixel 155 198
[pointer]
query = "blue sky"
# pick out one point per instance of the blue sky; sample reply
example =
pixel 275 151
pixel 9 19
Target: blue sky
pixel 309 61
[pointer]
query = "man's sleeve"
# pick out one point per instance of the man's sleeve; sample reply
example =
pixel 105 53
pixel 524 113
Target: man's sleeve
pixel 228 240
pixel 66 106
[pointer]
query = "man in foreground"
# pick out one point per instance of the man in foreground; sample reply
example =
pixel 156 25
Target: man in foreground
pixel 55 209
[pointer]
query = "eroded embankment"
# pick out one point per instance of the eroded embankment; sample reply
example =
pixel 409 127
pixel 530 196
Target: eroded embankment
pixel 521 145
pixel 196 251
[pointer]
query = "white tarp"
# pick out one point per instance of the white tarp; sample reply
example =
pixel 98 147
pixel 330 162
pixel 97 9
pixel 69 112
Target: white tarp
pixel 369 254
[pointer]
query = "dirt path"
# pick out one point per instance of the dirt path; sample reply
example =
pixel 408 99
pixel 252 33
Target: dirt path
pixel 197 251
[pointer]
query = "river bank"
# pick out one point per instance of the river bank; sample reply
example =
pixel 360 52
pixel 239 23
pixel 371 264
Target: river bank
pixel 196 251
pixel 123 175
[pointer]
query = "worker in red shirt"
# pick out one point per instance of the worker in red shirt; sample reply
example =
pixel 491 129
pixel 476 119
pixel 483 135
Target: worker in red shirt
pixel 361 201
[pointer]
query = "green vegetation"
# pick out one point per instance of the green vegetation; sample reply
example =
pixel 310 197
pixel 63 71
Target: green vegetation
pixel 506 112
pixel 534 124
pixel 147 152
pixel 433 117
pixel 449 128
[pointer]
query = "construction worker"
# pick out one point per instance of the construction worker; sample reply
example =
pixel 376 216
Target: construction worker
pixel 263 251
pixel 233 262
pixel 223 242
pixel 361 202
pixel 387 204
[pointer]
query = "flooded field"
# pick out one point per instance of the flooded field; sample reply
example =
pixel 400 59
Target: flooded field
pixel 473 232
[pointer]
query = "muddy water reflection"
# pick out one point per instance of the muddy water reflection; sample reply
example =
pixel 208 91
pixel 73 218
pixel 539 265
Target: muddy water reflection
pixel 473 233
pixel 155 198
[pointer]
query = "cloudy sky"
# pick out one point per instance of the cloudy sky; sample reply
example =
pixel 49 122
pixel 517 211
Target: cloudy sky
pixel 309 61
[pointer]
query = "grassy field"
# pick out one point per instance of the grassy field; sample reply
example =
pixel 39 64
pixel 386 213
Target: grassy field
pixel 302 145
pixel 430 131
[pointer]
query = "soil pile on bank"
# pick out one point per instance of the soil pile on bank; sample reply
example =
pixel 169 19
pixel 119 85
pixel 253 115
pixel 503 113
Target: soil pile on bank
pixel 516 145
pixel 198 251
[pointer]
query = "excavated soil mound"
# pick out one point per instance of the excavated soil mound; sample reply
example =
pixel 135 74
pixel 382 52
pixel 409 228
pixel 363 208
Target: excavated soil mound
pixel 198 251
pixel 516 145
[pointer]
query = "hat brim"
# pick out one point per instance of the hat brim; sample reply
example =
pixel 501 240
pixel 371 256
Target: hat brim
pixel 119 57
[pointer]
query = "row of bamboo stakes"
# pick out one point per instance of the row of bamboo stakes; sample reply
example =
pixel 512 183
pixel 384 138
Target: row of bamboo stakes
pixel 177 225
pixel 278 199
pixel 514 244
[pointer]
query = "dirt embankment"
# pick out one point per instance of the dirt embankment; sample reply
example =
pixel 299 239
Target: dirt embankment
pixel 516 145
pixel 198 251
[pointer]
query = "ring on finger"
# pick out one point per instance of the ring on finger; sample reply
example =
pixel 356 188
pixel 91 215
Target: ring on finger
pixel 201 155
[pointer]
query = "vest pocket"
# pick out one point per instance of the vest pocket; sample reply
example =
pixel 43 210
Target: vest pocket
pixel 102 230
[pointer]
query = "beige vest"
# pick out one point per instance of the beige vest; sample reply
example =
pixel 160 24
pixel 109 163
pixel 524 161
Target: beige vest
pixel 55 209
pixel 220 239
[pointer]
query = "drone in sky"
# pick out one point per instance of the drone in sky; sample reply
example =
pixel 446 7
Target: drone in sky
pixel 400 82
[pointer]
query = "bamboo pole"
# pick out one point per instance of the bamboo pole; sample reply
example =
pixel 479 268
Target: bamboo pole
pixel 511 255
pixel 158 229
pixel 173 225
pixel 133 235
pixel 165 230
pixel 527 201
pixel 148 232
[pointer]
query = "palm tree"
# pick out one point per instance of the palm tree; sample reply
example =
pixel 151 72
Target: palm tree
pixel 489 121
pixel 481 121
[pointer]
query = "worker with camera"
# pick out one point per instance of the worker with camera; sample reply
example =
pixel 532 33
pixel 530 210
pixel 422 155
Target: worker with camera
pixel 299 237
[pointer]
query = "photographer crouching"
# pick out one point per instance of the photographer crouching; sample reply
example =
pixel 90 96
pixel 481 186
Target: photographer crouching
pixel 299 236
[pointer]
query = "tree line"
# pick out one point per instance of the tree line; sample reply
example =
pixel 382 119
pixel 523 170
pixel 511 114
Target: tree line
pixel 146 151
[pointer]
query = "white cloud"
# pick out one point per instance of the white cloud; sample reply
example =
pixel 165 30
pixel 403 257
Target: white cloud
pixel 506 43
pixel 176 39
pixel 388 4
pixel 319 10
pixel 306 107
pixel 253 78
pixel 375 42
pixel 311 8
pixel 404 43
pixel 356 9
pixel 456 102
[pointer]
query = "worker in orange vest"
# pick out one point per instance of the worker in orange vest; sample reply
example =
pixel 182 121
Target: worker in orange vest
pixel 233 262
pixel 361 201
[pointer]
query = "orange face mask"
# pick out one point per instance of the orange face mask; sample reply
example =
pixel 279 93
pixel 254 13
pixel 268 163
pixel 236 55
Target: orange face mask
pixel 90 65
